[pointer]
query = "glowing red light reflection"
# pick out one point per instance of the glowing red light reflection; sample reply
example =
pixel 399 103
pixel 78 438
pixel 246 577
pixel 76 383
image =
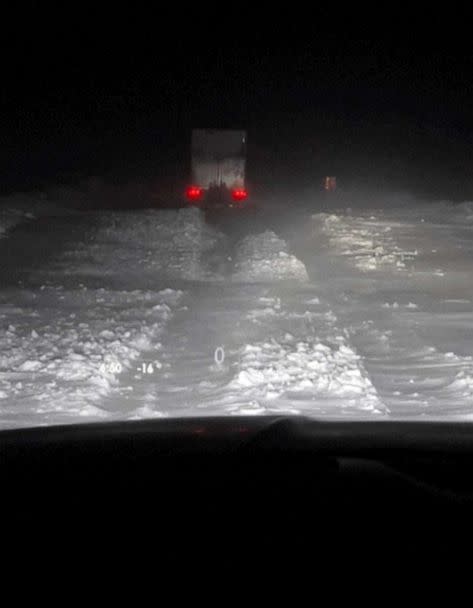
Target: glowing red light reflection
pixel 194 193
pixel 239 195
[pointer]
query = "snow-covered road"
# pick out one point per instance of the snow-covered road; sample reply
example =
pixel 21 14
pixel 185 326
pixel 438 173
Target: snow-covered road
pixel 159 313
pixel 401 283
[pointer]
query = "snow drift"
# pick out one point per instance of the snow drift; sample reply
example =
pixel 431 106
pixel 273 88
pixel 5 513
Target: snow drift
pixel 159 243
pixel 265 258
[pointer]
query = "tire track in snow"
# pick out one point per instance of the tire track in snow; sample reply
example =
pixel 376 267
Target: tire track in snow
pixel 399 306
pixel 67 341
pixel 283 349
pixel 117 298
pixel 307 366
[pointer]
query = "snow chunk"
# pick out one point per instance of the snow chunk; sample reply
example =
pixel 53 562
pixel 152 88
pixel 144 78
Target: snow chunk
pixel 106 333
pixel 30 366
pixel 265 258
pixel 145 412
pixel 309 370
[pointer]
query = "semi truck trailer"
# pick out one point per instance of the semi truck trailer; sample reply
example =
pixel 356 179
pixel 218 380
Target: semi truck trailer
pixel 218 163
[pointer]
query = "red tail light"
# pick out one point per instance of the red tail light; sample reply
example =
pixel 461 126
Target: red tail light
pixel 194 193
pixel 239 195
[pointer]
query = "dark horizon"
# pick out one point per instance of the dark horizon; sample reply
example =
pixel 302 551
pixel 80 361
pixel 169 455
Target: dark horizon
pixel 342 96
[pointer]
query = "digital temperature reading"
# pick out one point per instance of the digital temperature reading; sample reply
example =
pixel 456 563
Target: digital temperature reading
pixel 146 368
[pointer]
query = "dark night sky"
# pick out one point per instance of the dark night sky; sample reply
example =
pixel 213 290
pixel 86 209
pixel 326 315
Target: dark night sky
pixel 350 93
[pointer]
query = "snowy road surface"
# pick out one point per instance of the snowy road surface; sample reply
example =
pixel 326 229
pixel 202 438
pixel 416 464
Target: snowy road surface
pixel 347 314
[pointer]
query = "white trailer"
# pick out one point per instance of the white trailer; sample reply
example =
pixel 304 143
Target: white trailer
pixel 218 162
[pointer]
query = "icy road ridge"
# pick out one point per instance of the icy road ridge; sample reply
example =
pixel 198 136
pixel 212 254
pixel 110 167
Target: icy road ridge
pixel 254 349
pixel 308 365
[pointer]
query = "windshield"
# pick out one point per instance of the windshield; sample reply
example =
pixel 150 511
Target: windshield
pixel 242 222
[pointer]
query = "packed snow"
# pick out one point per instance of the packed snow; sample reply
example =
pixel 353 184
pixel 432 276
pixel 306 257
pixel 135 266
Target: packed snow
pixel 176 244
pixel 306 371
pixel 63 349
pixel 401 282
pixel 158 313
pixel 366 240
pixel 265 257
